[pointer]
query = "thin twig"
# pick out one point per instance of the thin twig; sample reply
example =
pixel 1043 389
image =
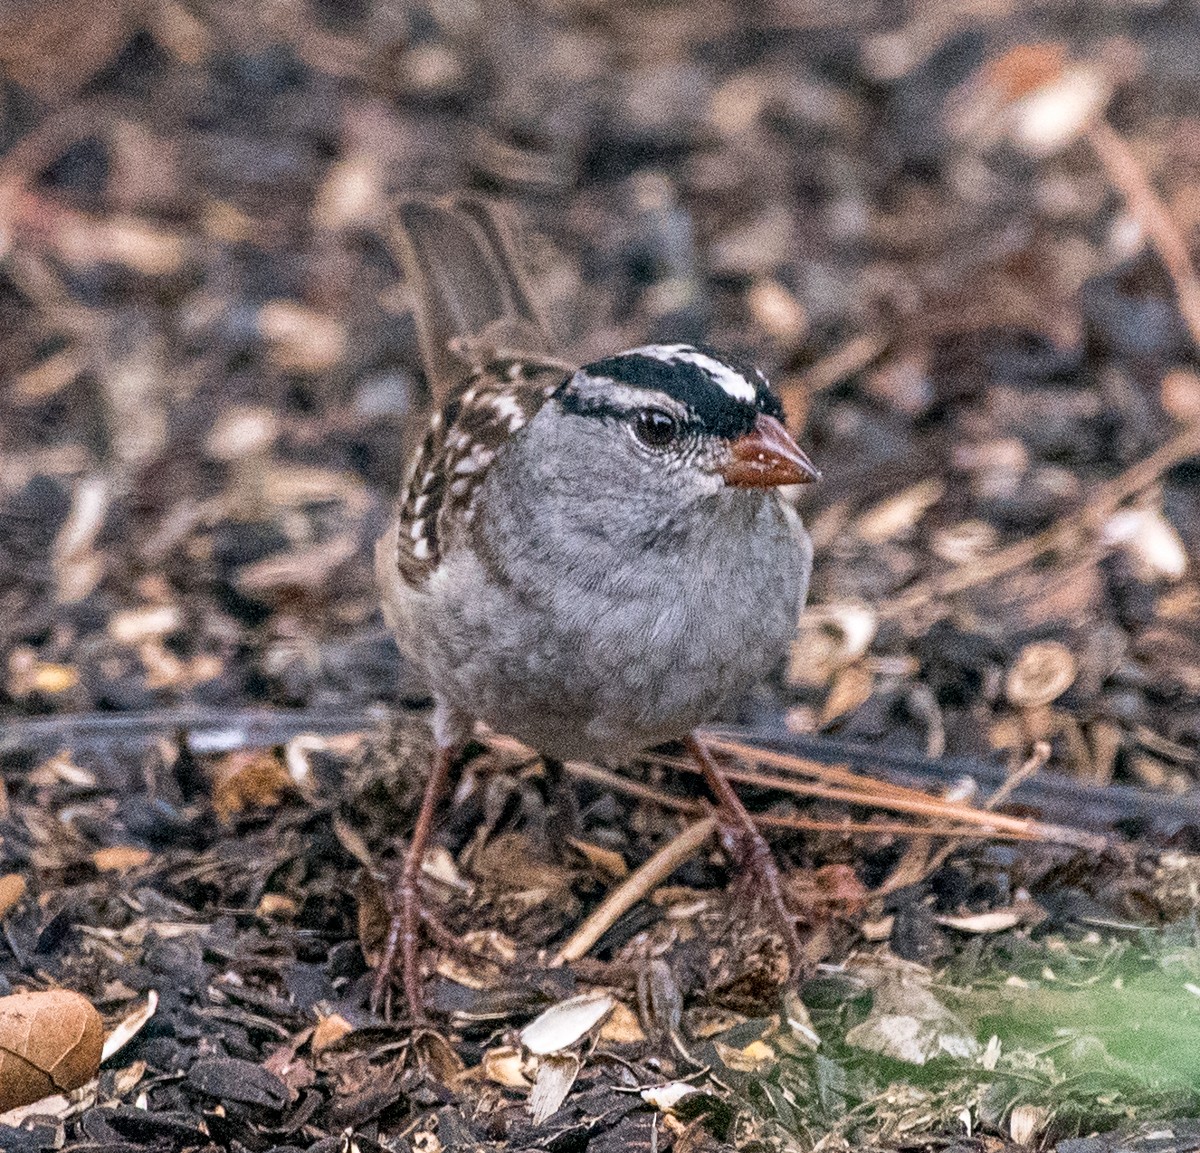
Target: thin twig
pixel 619 783
pixel 1034 763
pixel 809 769
pixel 1068 531
pixel 855 789
pixel 1147 208
pixel 636 886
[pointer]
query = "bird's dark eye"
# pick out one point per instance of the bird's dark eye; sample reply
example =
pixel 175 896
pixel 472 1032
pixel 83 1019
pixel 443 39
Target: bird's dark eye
pixel 655 428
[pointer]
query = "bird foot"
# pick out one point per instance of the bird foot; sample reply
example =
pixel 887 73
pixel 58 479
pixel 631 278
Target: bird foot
pixel 401 954
pixel 751 853
pixel 406 913
pixel 401 950
pixel 760 880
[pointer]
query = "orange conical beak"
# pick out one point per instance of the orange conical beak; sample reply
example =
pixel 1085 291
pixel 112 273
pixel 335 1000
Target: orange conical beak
pixel 767 456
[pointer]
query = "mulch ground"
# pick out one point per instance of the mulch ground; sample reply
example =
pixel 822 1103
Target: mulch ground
pixel 210 751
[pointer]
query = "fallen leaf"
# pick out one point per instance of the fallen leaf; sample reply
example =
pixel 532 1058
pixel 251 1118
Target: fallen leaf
pixel 248 780
pixel 622 1027
pixel 606 861
pixel 50 1042
pixel 754 1058
pixel 329 1030
pixel 276 905
pixel 851 688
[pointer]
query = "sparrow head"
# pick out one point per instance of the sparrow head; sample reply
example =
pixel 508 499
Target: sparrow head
pixel 690 407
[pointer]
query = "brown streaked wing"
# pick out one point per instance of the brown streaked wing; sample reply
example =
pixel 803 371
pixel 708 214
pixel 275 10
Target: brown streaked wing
pixel 461 444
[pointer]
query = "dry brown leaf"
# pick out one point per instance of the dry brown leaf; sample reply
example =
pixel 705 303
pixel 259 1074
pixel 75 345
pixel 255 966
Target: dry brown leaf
pixel 352 842
pixel 438 1058
pixel 242 430
pixel 622 1027
pixel 276 905
pixel 606 861
pixel 830 637
pixel 249 779
pixel 877 930
pixel 77 566
pixel 294 1071
pixel 664 1098
pixel 754 1058
pixel 305 568
pixel 50 1042
pixel 12 889
pixel 851 688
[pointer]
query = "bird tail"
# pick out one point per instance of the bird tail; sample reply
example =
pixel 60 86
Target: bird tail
pixel 470 295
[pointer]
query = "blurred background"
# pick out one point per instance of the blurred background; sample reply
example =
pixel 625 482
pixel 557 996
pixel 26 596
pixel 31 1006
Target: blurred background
pixel 955 235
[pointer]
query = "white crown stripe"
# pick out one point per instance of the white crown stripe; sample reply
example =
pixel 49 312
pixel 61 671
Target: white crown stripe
pixel 732 381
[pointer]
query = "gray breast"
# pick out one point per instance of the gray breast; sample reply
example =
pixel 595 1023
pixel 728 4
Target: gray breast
pixel 590 625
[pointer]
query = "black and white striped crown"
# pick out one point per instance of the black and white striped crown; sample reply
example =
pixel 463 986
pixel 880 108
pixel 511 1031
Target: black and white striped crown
pixel 723 396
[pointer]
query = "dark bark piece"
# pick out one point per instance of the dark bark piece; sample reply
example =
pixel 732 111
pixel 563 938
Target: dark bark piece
pixel 231 1079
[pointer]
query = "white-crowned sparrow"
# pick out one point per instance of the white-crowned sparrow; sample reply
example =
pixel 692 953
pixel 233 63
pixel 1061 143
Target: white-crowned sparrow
pixel 593 560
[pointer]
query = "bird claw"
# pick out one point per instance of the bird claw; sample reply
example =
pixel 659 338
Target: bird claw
pixel 759 877
pixel 750 852
pixel 402 957
pixel 401 945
